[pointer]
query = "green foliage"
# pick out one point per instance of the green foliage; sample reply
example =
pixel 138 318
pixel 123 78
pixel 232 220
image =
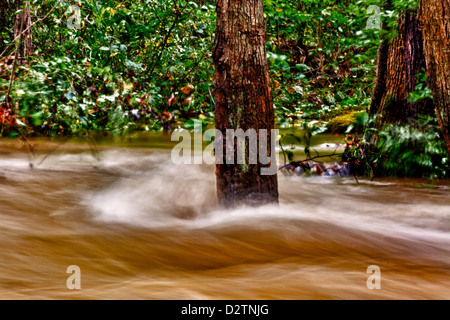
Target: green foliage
pixel 358 157
pixel 118 69
pixel 421 91
pixel 138 54
pixel 405 151
pixel 348 122
pixel 398 150
pixel 322 58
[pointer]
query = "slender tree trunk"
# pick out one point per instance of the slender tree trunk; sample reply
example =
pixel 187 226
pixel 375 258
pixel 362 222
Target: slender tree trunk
pixel 434 16
pixel 26 44
pixel 397 77
pixel 243 99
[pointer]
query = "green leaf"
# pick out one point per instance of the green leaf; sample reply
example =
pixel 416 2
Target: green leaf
pixel 290 155
pixel 302 67
pixel 20 123
pixel 349 128
pixel 362 119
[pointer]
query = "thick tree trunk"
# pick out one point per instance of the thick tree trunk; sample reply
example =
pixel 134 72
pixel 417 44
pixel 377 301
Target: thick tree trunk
pixel 23 22
pixel 404 60
pixel 243 99
pixel 434 16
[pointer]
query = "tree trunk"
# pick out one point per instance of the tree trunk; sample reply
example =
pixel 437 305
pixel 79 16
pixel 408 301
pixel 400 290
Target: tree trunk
pixel 434 16
pixel 404 60
pixel 243 100
pixel 25 48
pixel 382 58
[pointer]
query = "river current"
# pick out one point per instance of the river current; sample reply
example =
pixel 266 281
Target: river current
pixel 140 227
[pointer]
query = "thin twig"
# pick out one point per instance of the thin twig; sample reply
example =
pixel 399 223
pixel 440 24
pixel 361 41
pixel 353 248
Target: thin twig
pixel 284 153
pixel 316 157
pixel 30 148
pixel 53 150
pixel 186 75
pixel 16 53
pixel 212 98
pixel 166 37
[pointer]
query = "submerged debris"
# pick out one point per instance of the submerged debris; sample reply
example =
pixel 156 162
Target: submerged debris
pixel 353 162
pixel 300 168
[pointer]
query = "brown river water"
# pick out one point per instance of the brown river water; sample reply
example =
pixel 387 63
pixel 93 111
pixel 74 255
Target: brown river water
pixel 140 227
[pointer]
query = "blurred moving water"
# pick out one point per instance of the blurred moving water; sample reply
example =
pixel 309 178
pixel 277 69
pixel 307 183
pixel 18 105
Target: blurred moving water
pixel 140 227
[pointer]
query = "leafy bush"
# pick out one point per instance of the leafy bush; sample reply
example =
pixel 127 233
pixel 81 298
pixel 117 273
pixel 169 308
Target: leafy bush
pixel 405 151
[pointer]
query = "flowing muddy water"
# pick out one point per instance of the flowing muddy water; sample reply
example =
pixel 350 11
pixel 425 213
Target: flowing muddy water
pixel 140 227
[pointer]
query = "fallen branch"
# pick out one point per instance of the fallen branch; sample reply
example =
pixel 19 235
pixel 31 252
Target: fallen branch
pixel 313 158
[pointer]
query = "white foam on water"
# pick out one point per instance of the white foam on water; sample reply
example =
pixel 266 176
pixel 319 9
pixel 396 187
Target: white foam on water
pixel 164 195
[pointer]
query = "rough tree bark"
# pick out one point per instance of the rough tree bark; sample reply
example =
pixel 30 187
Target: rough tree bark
pixel 243 98
pixel 434 16
pixel 400 61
